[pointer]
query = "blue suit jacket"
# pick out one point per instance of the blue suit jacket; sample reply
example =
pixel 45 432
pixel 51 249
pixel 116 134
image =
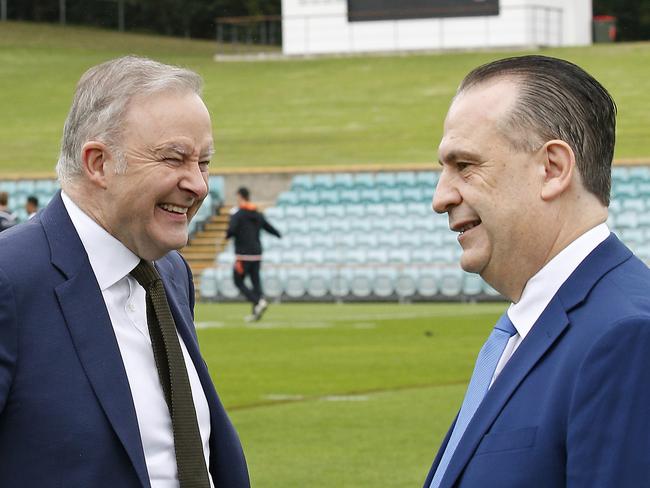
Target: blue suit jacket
pixel 572 406
pixel 67 418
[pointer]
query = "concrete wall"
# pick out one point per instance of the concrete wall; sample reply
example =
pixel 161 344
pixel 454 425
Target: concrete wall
pixel 321 26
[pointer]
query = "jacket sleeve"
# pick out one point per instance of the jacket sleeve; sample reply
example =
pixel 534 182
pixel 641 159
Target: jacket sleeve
pixel 8 338
pixel 269 228
pixel 608 432
pixel 232 226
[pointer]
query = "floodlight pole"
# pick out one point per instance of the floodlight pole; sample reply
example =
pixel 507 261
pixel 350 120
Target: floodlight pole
pixel 120 15
pixel 3 10
pixel 62 12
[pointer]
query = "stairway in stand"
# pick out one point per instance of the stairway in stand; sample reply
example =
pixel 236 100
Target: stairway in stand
pixel 203 247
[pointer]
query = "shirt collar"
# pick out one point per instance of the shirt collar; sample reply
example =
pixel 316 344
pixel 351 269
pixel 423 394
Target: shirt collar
pixel 542 287
pixel 109 258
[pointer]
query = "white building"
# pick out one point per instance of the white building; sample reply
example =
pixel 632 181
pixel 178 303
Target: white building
pixel 323 26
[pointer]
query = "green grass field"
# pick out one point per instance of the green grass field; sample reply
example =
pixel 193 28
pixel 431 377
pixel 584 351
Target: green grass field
pixel 296 113
pixel 354 395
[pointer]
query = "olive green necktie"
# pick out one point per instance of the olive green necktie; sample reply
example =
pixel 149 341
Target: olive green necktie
pixel 192 472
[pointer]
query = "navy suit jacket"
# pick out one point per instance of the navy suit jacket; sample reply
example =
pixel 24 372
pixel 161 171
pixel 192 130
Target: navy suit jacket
pixel 67 417
pixel 572 406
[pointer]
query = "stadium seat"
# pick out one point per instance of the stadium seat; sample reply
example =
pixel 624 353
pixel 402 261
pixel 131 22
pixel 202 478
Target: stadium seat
pixel 364 180
pixel 383 282
pixel 308 197
pixel 388 240
pixel 355 210
pixel 226 284
pixel 419 209
pixel 328 197
pixel 302 182
pixel 298 226
pixel 287 198
pixel 323 241
pixel 323 181
pixel 293 212
pixel 314 211
pixel 366 240
pixel 376 256
pixel 274 213
pixel 451 282
pixel 361 283
pixel 318 282
pixel 339 285
pixel 422 255
pixel 405 179
pixel 370 195
pixel 385 180
pixel 355 256
pixel 295 283
pixel 291 256
pixel 410 240
pixel 398 210
pixel 351 196
pixel 361 225
pixel 416 195
pixel 209 288
pixel 313 256
pixel 472 284
pixel 406 283
pixel 343 181
pixel 345 241
pixel 272 282
pixel 427 180
pixel 427 283
pixel 390 195
pixel 375 210
pixel 339 225
pixel 399 255
pixel 337 210
pixel 634 204
pixel 319 225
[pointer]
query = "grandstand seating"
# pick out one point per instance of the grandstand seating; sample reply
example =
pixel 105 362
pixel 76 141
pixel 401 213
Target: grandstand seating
pixel 367 236
pixel 373 236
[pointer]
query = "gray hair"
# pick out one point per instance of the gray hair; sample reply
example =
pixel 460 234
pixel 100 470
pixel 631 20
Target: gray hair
pixel 101 101
pixel 558 100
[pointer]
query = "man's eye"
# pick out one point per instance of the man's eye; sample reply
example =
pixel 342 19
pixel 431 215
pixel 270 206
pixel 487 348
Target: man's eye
pixel 204 165
pixel 461 166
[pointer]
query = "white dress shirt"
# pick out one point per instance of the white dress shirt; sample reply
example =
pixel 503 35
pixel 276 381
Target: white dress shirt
pixel 542 287
pixel 112 262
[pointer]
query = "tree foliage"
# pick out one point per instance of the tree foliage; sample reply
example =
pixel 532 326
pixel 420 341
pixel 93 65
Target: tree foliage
pixel 189 18
pixel 632 17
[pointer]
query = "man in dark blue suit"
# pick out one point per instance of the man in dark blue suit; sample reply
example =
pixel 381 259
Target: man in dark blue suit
pixel 560 393
pixel 85 399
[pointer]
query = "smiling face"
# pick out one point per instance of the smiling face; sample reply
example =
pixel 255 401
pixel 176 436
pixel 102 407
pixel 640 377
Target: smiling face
pixel 167 144
pixel 490 191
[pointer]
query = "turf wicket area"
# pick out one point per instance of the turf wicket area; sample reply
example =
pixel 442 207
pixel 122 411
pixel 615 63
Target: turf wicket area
pixel 352 395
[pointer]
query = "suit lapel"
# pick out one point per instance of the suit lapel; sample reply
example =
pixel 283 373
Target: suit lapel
pixel 91 331
pixel 546 331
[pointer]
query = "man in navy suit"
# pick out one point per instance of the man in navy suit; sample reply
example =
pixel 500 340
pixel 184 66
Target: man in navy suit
pixel 81 401
pixel 564 401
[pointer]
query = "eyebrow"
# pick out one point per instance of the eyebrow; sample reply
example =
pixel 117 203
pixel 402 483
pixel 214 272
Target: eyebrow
pixel 459 155
pixel 183 150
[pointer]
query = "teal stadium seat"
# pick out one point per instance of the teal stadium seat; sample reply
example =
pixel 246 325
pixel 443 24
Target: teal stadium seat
pixel 406 282
pixel 208 287
pixel 361 283
pixel 302 182
pixel 383 282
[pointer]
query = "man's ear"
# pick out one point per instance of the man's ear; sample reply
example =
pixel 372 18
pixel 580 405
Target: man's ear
pixel 559 166
pixel 94 158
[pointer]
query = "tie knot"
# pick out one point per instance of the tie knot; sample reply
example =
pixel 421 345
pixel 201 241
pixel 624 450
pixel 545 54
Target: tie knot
pixel 504 324
pixel 145 274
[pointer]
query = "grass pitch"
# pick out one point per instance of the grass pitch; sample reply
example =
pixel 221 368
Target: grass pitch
pixel 354 395
pixel 296 113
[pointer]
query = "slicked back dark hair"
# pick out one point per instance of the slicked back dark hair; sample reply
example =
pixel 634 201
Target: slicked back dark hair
pixel 244 193
pixel 558 100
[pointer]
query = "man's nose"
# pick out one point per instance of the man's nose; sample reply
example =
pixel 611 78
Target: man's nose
pixel 195 181
pixel 445 195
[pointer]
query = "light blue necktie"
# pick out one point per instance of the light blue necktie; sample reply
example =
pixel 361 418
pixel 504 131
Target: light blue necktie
pixel 486 364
